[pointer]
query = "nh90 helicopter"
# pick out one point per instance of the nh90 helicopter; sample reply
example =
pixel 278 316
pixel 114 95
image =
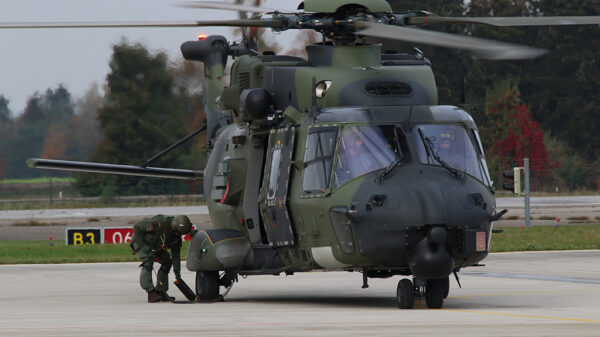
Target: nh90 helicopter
pixel 341 161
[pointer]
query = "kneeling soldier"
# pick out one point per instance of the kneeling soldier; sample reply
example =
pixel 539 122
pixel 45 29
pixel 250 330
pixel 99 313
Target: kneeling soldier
pixel 152 238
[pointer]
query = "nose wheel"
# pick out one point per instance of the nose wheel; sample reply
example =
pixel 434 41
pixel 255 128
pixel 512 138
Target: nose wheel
pixel 405 294
pixel 434 291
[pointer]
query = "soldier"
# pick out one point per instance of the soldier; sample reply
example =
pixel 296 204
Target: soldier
pixel 152 238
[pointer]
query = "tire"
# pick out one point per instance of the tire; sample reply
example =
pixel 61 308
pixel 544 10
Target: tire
pixel 207 285
pixel 446 286
pixel 434 293
pixel 405 294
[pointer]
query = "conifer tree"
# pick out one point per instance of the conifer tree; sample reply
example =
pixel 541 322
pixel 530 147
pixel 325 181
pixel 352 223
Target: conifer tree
pixel 139 118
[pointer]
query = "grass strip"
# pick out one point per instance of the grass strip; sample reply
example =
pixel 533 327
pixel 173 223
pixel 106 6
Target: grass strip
pixel 540 238
pixel 38 180
pixel 19 206
pixel 41 252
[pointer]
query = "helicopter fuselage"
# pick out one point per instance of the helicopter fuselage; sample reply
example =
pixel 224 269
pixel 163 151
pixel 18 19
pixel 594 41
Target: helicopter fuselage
pixel 351 175
pixel 341 161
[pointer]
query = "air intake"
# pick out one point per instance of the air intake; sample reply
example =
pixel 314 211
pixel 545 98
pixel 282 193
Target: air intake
pixel 388 88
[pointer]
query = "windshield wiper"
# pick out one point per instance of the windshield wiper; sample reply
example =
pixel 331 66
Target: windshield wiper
pixel 388 170
pixel 430 149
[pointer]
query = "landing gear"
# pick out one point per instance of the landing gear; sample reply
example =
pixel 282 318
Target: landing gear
pixel 208 283
pixel 434 293
pixel 207 286
pixel 405 294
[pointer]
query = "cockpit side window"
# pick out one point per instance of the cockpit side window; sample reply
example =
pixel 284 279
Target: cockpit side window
pixel 484 167
pixel 367 148
pixel 318 160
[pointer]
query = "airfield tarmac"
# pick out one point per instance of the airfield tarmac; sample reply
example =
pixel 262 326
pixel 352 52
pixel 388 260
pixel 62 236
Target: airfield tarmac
pixel 43 223
pixel 516 294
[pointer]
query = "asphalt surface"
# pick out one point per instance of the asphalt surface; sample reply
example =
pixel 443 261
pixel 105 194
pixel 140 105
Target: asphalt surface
pixel 42 224
pixel 45 223
pixel 516 203
pixel 517 294
pixel 568 201
pixel 99 212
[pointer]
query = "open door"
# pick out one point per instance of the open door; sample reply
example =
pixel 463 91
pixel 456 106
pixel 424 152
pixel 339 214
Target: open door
pixel 252 218
pixel 276 184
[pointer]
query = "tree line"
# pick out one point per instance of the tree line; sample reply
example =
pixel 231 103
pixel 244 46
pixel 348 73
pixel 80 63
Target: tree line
pixel 148 104
pixel 546 109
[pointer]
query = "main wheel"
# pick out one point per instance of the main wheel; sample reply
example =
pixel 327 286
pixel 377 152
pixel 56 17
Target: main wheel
pixel 434 293
pixel 405 294
pixel 207 285
pixel 446 286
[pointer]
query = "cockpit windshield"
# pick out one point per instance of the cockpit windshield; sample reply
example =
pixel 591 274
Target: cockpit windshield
pixel 454 147
pixel 367 148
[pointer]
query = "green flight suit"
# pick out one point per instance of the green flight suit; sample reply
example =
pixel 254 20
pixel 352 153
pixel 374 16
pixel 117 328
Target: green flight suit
pixel 152 238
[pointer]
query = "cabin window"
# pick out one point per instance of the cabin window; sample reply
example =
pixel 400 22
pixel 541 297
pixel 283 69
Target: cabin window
pixel 368 148
pixel 318 160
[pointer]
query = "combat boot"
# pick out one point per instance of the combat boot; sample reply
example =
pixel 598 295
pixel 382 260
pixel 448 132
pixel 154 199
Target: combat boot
pixel 154 296
pixel 164 297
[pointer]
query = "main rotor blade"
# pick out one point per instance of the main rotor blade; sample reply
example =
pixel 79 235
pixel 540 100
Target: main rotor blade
pixel 129 170
pixel 145 24
pixel 228 6
pixel 508 21
pixel 487 49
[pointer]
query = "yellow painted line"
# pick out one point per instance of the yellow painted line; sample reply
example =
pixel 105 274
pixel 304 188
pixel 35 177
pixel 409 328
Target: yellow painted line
pixel 526 316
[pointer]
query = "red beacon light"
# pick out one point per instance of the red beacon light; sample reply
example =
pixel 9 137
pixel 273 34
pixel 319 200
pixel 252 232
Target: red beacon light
pixel 202 37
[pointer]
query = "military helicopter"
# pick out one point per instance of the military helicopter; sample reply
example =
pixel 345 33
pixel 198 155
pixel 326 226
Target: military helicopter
pixel 341 161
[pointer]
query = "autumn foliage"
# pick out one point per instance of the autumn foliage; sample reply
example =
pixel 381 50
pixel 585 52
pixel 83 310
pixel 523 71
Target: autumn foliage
pixel 513 134
pixel 55 144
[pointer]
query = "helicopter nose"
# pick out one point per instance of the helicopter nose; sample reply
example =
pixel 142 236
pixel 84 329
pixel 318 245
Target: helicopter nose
pixel 418 212
pixel 428 196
